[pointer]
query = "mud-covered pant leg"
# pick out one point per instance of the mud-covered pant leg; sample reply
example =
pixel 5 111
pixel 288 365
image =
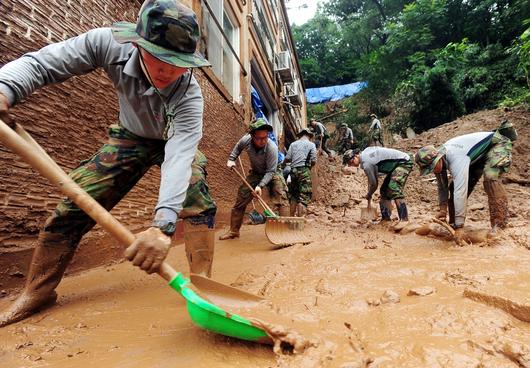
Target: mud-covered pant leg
pixel 199 206
pixel 278 193
pixel 325 145
pixel 394 184
pixel 393 189
pixel 344 146
pixel 376 137
pixel 107 177
pixel 498 162
pixel 300 189
pixel 244 194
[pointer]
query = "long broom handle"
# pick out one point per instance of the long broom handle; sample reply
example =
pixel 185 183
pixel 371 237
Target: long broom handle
pixel 261 201
pixel 243 171
pixel 31 152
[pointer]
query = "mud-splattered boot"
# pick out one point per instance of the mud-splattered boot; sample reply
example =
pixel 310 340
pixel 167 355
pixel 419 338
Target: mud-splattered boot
pixel 284 211
pixel 403 215
pixel 199 242
pixel 50 259
pixel 293 206
pixel 236 220
pixel 302 210
pixel 498 204
pixel 386 209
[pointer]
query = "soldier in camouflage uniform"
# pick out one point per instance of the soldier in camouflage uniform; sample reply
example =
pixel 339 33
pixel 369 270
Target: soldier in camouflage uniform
pixel 375 131
pixel 160 123
pixel 302 155
pixel 467 158
pixel 346 141
pixel 396 165
pixel 263 155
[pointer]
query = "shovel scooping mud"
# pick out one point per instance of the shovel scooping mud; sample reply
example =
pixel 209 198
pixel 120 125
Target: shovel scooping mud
pixel 202 312
pixel 369 213
pixel 280 230
pixel 254 216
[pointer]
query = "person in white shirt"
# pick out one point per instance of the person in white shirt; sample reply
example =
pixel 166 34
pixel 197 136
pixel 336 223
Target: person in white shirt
pixel 467 158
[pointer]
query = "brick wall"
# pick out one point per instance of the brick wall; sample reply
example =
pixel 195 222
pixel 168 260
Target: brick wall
pixel 70 120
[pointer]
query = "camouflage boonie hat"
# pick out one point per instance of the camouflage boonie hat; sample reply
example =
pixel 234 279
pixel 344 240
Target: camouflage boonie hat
pixel 427 157
pixel 508 130
pixel 259 124
pixel 167 30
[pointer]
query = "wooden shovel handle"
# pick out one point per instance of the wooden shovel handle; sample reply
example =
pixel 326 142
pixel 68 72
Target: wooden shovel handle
pixel 30 151
pixel 261 201
pixel 243 171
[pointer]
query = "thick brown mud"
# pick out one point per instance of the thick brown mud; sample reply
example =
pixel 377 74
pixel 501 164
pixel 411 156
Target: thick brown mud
pixel 361 294
pixel 346 293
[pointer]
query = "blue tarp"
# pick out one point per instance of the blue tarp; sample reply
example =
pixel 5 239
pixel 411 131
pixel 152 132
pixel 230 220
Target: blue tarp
pixel 257 107
pixel 333 93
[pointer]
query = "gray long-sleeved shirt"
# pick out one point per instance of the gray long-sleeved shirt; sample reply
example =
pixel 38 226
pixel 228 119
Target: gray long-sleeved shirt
pixel 320 129
pixel 301 153
pixel 376 160
pixel 141 109
pixel 262 161
pixel 376 124
pixel 462 151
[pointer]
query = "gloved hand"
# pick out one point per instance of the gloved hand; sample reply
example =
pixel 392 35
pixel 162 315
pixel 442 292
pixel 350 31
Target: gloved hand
pixel 4 111
pixel 257 190
pixel 149 249
pixel 230 164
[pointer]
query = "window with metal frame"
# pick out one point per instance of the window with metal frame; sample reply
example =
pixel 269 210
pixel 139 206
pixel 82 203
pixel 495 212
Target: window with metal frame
pixel 224 63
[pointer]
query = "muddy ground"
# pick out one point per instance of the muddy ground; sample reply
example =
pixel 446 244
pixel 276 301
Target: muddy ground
pixel 365 295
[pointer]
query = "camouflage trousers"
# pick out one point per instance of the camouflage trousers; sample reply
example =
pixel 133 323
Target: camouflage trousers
pixel 376 136
pixel 277 191
pixel 498 158
pixel 300 188
pixel 496 162
pixel 111 173
pixel 394 183
pixel 344 146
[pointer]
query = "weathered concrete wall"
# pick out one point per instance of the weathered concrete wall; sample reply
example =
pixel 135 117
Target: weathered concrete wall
pixel 70 121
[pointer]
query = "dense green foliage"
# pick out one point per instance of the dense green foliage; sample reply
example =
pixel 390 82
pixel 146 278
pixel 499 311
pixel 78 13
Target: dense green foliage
pixel 426 61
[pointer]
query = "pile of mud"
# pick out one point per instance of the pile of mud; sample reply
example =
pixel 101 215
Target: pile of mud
pixel 341 193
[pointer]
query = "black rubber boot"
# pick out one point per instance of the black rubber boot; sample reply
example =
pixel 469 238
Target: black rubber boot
pixel 386 209
pixel 402 210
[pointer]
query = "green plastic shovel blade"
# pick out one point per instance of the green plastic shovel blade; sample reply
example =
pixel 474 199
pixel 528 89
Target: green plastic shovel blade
pixel 210 317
